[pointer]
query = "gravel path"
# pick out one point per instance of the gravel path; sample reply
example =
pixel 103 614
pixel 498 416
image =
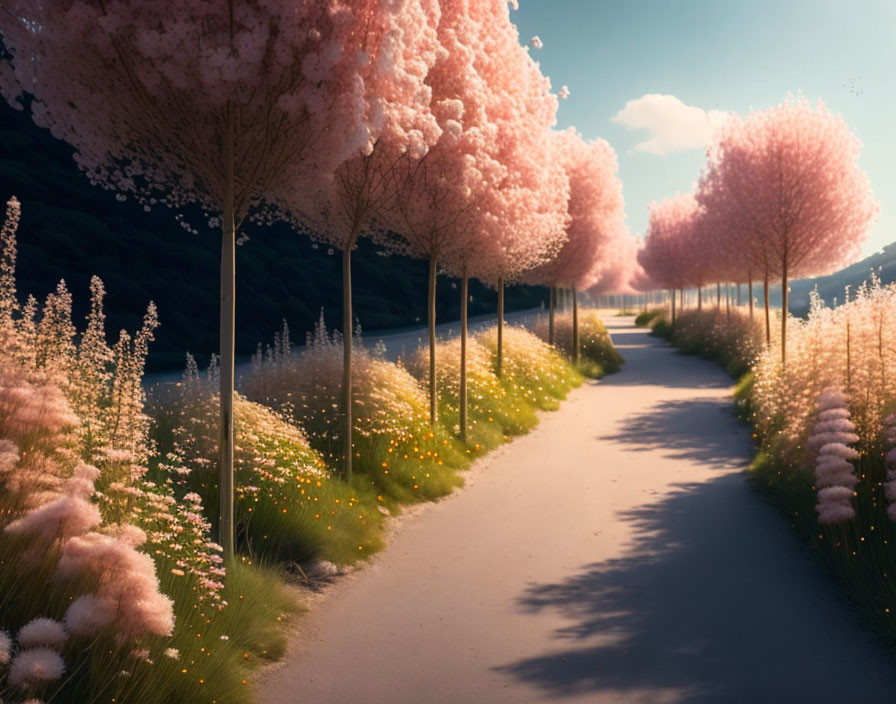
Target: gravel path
pixel 615 554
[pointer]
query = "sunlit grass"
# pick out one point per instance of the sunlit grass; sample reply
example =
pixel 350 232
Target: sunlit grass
pixel 533 368
pixel 288 507
pixel 397 456
pixel 495 410
pixel 597 355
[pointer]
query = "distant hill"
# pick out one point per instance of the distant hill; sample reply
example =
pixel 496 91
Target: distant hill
pixel 834 286
pixel 72 230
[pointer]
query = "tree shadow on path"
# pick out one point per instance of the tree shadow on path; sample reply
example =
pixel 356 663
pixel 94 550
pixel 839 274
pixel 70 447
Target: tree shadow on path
pixel 703 430
pixel 715 602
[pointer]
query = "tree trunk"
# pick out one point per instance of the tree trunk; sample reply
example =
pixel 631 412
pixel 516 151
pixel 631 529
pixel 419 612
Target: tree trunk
pixel 575 326
pixel 719 295
pixel 738 294
pixel 551 316
pixel 768 325
pixel 728 300
pixel 463 356
pixel 347 358
pixel 750 291
pixel 431 324
pixel 700 298
pixel 500 326
pixel 784 312
pixel 673 307
pixel 227 332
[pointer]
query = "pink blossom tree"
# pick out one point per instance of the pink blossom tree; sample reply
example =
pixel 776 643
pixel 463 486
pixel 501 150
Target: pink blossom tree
pixel 788 176
pixel 639 279
pixel 531 203
pixel 399 47
pixel 485 200
pixel 704 263
pixel 194 103
pixel 744 249
pixel 665 256
pixel 596 211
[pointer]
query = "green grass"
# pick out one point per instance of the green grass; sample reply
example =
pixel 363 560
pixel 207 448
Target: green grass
pixel 540 373
pixel 661 328
pixel 597 356
pixel 495 411
pixel 208 668
pixel 288 507
pixel 397 456
pixel 645 318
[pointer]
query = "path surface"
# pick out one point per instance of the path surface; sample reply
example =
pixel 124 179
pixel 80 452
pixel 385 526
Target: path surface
pixel 615 554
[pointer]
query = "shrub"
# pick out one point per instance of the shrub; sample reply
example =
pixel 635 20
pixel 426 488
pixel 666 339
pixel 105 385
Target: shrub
pixel 397 453
pixel 645 318
pixel 287 506
pixel 531 366
pixel 596 352
pixel 494 410
pixel 732 339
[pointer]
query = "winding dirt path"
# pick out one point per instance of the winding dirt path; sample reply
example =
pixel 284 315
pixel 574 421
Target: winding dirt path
pixel 615 554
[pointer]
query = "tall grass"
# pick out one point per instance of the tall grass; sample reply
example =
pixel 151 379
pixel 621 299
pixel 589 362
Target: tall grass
pixel 731 338
pixel 597 354
pixel 288 507
pixel 398 455
pixel 645 318
pixel 538 372
pixel 496 411
pixel 110 588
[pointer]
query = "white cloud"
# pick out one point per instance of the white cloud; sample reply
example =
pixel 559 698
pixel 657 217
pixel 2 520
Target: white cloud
pixel 672 125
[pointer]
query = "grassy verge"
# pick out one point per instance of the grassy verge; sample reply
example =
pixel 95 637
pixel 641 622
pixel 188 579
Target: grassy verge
pixel 292 506
pixel 645 318
pixel 858 555
pixel 597 356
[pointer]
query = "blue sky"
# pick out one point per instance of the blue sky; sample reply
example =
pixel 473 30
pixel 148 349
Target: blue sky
pixel 725 55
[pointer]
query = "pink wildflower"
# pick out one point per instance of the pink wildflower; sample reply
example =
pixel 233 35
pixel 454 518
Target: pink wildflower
pixel 42 632
pixel 890 462
pixel 9 456
pixel 65 517
pixel 35 666
pixel 128 578
pixel 834 474
pixel 89 614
